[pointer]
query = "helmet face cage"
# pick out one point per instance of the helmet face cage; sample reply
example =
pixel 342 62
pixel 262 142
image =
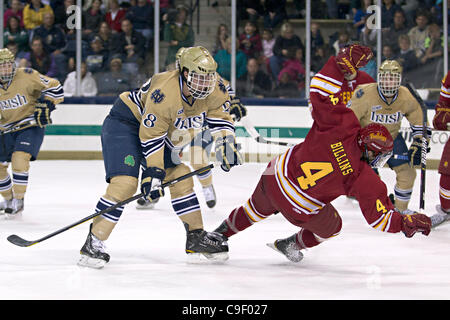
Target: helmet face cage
pixel 378 160
pixel 389 82
pixel 201 85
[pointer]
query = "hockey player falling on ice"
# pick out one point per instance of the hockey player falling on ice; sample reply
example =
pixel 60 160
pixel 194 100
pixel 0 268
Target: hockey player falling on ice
pixel 441 121
pixel 201 145
pixel 387 102
pixel 26 100
pixel 336 158
pixel 152 124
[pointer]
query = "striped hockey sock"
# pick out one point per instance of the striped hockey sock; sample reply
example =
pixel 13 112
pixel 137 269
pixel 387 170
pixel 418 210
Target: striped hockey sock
pixel 444 192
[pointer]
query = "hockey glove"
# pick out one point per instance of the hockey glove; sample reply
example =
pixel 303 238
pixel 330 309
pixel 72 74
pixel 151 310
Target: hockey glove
pixel 42 112
pixel 151 183
pixel 227 153
pixel 412 223
pixel 415 152
pixel 237 109
pixel 441 118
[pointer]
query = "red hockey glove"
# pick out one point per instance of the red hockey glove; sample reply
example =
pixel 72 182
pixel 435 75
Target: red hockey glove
pixel 441 118
pixel 412 223
pixel 353 57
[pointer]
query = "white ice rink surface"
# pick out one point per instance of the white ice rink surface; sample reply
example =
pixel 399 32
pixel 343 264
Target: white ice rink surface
pixel 148 259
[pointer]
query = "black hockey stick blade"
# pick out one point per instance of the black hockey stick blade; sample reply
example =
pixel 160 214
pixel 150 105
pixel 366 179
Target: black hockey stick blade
pixel 18 241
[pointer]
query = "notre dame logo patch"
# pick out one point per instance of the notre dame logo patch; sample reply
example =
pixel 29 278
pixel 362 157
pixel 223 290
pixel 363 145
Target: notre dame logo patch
pixel 157 96
pixel 129 161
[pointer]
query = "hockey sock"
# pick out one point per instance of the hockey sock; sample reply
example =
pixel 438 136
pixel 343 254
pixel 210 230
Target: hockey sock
pixel 187 209
pixel 20 183
pixel 104 224
pixel 402 198
pixel 444 192
pixel 306 239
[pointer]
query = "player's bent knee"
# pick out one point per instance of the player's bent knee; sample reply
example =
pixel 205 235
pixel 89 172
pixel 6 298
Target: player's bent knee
pixel 183 187
pixel 405 176
pixel 121 188
pixel 326 224
pixel 20 161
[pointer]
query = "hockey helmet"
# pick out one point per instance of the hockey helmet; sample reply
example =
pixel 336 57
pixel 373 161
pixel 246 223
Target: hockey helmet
pixel 177 58
pixel 7 66
pixel 376 144
pixel 352 57
pixel 201 71
pixel 389 77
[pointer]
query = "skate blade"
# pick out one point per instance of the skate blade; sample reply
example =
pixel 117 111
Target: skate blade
pixel 292 259
pixel 89 262
pixel 201 258
pixel 145 207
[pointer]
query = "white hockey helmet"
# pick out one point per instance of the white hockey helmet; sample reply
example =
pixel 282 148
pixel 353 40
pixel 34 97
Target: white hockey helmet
pixel 389 77
pixel 201 68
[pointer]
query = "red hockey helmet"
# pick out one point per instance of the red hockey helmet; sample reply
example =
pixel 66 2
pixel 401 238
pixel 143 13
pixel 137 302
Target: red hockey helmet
pixel 352 57
pixel 376 143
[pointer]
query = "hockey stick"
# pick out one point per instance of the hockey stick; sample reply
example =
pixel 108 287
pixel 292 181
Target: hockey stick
pixel 423 161
pixel 255 134
pixel 25 125
pixel 18 241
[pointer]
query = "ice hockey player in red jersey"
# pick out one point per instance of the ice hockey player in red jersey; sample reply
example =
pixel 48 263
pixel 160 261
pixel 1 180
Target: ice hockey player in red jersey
pixel 441 121
pixel 336 158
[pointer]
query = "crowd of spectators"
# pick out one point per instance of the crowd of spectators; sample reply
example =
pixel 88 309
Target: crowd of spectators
pixel 117 40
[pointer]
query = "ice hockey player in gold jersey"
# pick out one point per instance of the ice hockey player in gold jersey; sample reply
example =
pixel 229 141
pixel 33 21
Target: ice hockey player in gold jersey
pixel 200 147
pixel 387 102
pixel 151 125
pixel 26 100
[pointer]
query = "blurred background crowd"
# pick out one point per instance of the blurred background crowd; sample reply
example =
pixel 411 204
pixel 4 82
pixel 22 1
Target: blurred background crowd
pixel 118 40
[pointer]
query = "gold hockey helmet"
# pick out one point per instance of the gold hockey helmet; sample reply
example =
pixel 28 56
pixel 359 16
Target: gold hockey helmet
pixel 201 68
pixel 177 58
pixel 7 66
pixel 389 77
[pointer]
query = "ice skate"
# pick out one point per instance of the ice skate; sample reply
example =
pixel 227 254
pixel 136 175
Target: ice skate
pixel 5 204
pixel 144 204
pixel 210 196
pixel 14 208
pixel 93 253
pixel 440 217
pixel 211 245
pixel 288 247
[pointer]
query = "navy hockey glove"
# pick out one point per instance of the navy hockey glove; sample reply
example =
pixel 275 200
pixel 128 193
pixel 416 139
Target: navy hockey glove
pixel 42 111
pixel 227 153
pixel 237 109
pixel 151 183
pixel 415 152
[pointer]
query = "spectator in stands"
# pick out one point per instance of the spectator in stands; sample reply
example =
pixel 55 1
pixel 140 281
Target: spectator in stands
pixel 359 11
pixel 342 41
pixel 286 88
pixel 268 42
pixel 419 33
pixel 221 38
pixel 64 12
pixel 33 14
pixel 391 34
pixel 97 56
pixel 14 48
pixel 142 17
pixel 114 16
pixel 388 53
pixel 249 10
pixel 39 59
pixel 16 34
pixel 16 10
pixel 250 41
pixel 275 13
pixel 130 46
pixel 295 67
pixel 433 44
pixel 88 86
pixel 178 34
pixel 287 39
pixel 255 83
pixel 223 59
pixel 92 17
pixel 332 9
pixel 316 37
pixel 113 81
pixel 409 8
pixel 104 33
pixel 319 59
pixel 407 57
pixel 387 13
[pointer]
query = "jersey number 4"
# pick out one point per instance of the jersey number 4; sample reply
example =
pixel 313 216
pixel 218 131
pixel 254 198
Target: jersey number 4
pixel 313 171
